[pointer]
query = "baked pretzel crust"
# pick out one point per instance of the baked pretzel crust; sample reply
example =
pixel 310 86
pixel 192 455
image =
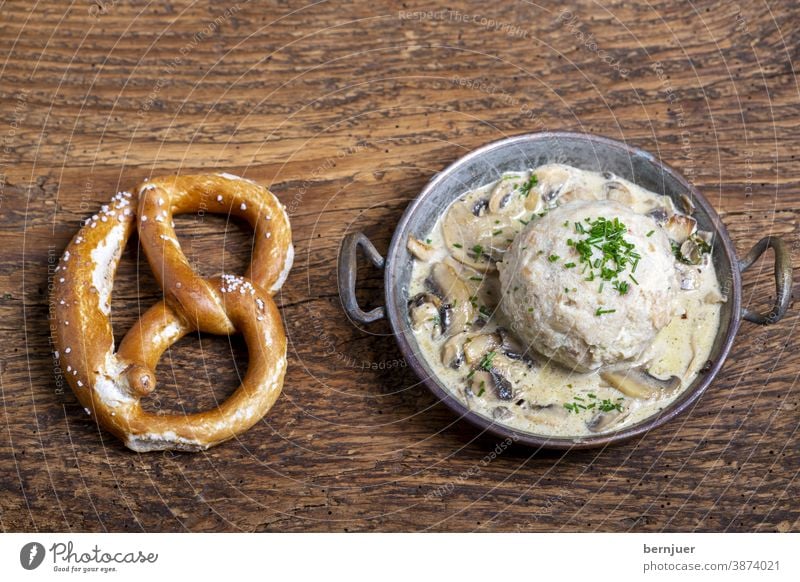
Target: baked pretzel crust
pixel 110 384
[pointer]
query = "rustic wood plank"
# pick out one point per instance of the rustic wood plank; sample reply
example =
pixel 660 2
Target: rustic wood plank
pixel 346 112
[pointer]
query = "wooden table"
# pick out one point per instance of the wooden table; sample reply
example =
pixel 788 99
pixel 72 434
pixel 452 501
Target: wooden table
pixel 346 112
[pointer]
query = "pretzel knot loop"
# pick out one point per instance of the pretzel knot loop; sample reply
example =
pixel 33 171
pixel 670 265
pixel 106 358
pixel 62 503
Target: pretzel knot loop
pixel 110 384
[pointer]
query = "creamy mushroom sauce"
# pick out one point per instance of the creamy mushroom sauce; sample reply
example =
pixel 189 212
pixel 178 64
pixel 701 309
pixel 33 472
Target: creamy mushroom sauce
pixel 470 346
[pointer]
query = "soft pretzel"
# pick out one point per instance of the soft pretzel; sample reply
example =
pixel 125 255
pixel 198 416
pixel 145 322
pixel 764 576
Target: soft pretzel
pixel 110 384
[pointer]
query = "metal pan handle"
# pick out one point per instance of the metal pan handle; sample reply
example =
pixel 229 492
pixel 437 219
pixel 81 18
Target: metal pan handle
pixel 783 279
pixel 348 253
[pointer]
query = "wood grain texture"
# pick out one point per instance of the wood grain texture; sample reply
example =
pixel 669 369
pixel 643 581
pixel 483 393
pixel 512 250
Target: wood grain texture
pixel 346 110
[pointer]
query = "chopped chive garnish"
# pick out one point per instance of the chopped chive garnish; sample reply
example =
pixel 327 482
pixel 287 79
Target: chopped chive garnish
pixel 607 405
pixel 604 252
pixel 525 189
pixel 486 361
pixel 601 311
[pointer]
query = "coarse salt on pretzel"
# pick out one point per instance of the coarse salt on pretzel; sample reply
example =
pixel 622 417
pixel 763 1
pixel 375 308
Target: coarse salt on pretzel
pixel 110 384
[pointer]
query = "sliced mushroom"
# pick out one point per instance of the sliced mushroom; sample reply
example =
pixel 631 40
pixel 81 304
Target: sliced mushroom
pixel 558 183
pixel 446 317
pixel 512 348
pixel 420 250
pixel 664 209
pixel 659 214
pixel 426 316
pixel 705 236
pixel 453 351
pixel 509 368
pixel 422 298
pixel 490 382
pixel 480 382
pixel 619 192
pixel 690 252
pixel 424 313
pixel 493 252
pixel 465 234
pixel 537 198
pixel 502 195
pixel 514 194
pixel 680 227
pixel 488 292
pixel 477 345
pixel 548 196
pixel 548 414
pixel 638 383
pixel 477 232
pixel 604 420
pixel 479 208
pixel 687 204
pixel 455 294
pixel 501 413
pixel 552 182
pixel 502 387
